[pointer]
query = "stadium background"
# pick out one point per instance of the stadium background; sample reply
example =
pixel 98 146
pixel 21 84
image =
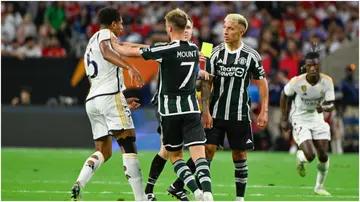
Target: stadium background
pixel 44 86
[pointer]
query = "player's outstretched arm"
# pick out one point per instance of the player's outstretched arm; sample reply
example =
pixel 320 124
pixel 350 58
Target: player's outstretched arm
pixel 111 56
pixel 285 105
pixel 264 100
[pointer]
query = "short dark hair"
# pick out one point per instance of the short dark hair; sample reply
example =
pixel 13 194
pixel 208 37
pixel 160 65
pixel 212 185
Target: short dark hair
pixel 108 15
pixel 312 55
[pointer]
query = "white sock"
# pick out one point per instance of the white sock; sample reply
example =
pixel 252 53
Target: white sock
pixel 301 156
pixel 198 195
pixel 88 171
pixel 134 176
pixel 322 173
pixel 238 198
pixel 339 148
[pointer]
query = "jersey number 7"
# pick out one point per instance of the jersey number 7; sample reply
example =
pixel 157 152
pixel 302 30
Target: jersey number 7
pixel 186 80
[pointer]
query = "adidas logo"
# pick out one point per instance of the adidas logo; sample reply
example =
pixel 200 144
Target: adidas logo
pixel 248 141
pixel 219 61
pixel 201 174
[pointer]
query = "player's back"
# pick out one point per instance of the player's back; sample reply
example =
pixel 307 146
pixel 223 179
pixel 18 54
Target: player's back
pixel 178 69
pixel 309 96
pixel 177 77
pixel 106 78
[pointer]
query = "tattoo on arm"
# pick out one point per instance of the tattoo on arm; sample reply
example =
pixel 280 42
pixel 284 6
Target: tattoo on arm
pixel 205 94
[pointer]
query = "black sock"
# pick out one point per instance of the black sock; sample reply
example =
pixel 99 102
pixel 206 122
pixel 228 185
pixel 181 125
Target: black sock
pixel 203 174
pixel 184 173
pixel 156 168
pixel 241 174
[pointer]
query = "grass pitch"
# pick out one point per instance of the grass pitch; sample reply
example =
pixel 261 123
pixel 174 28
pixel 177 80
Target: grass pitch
pixel 48 174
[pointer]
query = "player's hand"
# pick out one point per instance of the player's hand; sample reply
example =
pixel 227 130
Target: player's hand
pixel 204 75
pixel 262 119
pixel 132 103
pixel 285 126
pixel 135 77
pixel 319 108
pixel 207 119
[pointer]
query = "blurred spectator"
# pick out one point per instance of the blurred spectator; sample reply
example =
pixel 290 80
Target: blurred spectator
pixel 8 30
pixel 53 48
pixel 13 17
pixel 25 97
pixel 349 87
pixel 332 19
pixel 26 29
pixel 29 49
pixel 290 59
pixel 55 14
pixel 276 86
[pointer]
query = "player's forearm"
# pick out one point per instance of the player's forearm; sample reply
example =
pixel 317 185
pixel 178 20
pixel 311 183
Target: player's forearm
pixel 127 50
pixel 328 107
pixel 205 94
pixel 285 104
pixel 133 45
pixel 264 94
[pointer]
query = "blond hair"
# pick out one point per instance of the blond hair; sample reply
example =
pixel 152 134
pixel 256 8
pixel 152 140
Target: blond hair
pixel 241 20
pixel 177 18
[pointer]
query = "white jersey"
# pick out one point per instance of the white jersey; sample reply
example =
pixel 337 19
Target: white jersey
pixel 106 78
pixel 303 108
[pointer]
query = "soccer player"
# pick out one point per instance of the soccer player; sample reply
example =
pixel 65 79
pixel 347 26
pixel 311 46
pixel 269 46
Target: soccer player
pixel 107 107
pixel 309 95
pixel 177 104
pixel 177 188
pixel 233 64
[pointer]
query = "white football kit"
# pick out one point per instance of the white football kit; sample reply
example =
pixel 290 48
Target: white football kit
pixel 307 123
pixel 106 106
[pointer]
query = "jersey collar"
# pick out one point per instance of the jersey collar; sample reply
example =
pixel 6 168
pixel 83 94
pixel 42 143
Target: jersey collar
pixel 234 51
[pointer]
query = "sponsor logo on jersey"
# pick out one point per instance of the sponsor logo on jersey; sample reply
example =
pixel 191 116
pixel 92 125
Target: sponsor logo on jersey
pixel 230 71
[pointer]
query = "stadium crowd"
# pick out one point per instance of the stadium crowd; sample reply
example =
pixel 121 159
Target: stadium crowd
pixel 280 31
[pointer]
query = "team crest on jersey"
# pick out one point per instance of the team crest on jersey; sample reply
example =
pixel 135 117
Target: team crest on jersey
pixel 304 88
pixel 242 61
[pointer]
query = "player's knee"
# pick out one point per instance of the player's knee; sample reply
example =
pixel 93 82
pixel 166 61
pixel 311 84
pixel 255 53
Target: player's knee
pixel 175 155
pixel 310 156
pixel 210 150
pixel 238 155
pixel 127 144
pixel 163 153
pixel 323 157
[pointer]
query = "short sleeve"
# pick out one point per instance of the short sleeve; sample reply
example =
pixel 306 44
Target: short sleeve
pixel 156 51
pixel 257 68
pixel 289 89
pixel 330 92
pixel 103 35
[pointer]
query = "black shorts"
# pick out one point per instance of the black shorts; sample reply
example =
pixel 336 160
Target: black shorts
pixel 239 134
pixel 180 130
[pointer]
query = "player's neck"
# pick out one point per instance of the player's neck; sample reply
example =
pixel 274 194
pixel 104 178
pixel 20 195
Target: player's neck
pixel 233 45
pixel 177 36
pixel 313 80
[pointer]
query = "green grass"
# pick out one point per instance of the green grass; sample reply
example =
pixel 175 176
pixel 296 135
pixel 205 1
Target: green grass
pixel 48 174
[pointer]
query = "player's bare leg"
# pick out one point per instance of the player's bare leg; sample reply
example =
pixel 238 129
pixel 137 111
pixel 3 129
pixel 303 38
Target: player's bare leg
pixel 103 151
pixel 126 140
pixel 184 173
pixel 306 154
pixel 210 150
pixel 156 168
pixel 241 173
pixel 202 170
pixel 321 147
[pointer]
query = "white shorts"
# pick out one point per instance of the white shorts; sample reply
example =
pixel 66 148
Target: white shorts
pixel 108 113
pixel 310 131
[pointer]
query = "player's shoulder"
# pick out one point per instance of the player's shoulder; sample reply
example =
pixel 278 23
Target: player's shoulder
pixel 219 47
pixel 326 78
pixel 246 48
pixel 298 79
pixel 192 44
pixel 163 46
